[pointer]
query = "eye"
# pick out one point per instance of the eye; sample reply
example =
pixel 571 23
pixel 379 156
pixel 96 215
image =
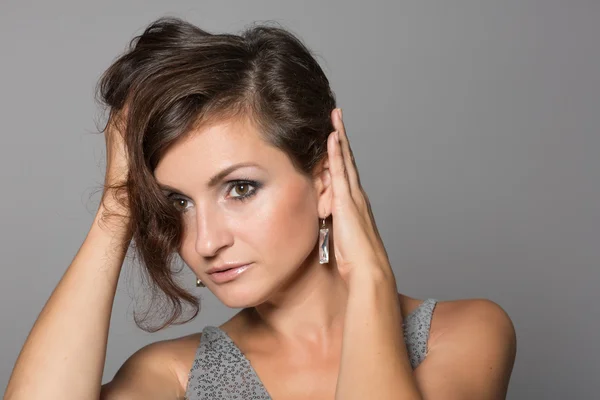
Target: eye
pixel 244 188
pixel 179 203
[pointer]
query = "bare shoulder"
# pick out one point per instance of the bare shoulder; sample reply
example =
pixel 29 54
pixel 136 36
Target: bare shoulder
pixel 156 371
pixel 468 318
pixel 471 350
pixel 459 316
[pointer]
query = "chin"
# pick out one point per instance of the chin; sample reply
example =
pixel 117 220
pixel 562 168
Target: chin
pixel 239 296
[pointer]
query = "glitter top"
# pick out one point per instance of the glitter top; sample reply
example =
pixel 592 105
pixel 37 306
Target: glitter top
pixel 221 371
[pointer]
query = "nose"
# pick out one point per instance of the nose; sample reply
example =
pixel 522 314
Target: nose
pixel 211 232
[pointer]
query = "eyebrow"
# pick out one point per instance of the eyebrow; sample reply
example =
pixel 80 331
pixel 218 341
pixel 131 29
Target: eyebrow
pixel 212 182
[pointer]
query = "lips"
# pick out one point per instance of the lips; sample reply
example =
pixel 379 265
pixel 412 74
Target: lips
pixel 228 274
pixel 226 267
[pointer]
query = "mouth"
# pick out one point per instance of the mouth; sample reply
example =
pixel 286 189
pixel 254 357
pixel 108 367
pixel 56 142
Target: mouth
pixel 228 274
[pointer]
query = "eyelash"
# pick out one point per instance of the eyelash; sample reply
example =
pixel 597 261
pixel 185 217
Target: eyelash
pixel 231 184
pixel 252 183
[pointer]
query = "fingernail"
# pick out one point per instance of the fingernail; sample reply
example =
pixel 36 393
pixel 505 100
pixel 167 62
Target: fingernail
pixel 337 135
pixel 340 112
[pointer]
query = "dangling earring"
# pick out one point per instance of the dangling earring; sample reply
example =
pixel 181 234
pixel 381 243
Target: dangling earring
pixel 323 244
pixel 199 283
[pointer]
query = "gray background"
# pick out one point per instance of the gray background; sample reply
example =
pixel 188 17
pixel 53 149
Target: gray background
pixel 474 125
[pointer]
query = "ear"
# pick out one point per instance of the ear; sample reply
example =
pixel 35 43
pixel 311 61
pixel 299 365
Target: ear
pixel 323 189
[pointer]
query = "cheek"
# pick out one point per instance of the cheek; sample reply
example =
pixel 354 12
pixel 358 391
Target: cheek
pixel 187 251
pixel 288 230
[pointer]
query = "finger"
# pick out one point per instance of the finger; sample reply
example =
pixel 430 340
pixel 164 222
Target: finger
pixel 360 197
pixel 349 162
pixel 337 168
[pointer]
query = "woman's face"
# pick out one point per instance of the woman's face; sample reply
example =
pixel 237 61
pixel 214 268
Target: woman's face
pixel 264 213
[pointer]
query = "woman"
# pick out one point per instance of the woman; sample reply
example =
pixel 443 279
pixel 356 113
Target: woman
pixel 229 151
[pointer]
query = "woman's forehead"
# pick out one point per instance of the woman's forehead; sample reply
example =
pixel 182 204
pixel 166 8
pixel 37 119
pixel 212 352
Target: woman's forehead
pixel 213 147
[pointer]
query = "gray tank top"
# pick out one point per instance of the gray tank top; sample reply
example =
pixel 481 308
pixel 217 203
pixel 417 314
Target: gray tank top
pixel 221 371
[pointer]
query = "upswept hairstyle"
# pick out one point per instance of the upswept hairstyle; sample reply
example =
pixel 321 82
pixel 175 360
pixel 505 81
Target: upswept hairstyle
pixel 173 78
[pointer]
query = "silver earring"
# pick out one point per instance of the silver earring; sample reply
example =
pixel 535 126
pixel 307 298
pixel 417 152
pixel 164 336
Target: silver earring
pixel 199 283
pixel 323 244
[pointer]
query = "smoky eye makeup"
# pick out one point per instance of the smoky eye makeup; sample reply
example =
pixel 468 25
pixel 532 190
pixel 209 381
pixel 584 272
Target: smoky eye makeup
pixel 245 189
pixel 246 184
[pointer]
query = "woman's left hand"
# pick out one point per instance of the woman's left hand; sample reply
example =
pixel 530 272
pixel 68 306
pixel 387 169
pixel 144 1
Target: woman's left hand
pixel 358 248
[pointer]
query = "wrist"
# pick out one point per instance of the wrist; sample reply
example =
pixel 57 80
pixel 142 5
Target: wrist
pixel 113 216
pixel 375 276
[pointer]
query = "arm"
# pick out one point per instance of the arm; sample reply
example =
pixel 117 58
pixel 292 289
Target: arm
pixel 63 356
pixel 374 362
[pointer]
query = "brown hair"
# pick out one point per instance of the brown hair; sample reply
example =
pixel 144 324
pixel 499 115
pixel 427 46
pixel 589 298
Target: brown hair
pixel 174 77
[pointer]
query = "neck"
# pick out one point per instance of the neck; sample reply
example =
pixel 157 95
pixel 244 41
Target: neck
pixel 307 311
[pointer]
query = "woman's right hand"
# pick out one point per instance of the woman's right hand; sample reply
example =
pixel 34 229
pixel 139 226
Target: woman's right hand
pixel 116 157
pixel 114 196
